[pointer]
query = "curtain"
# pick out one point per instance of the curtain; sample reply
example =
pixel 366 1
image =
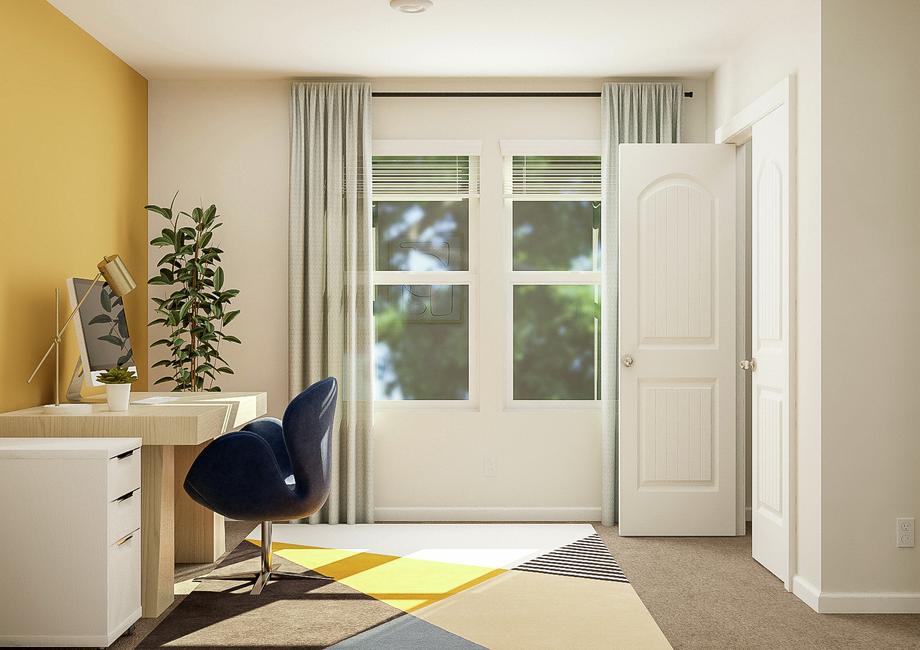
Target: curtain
pixel 630 113
pixel 330 300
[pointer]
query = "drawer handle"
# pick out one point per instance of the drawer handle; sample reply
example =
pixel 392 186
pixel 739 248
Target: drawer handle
pixel 125 454
pixel 125 497
pixel 124 539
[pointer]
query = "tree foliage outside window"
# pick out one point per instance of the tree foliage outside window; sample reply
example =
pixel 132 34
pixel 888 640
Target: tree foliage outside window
pixel 422 235
pixel 556 331
pixel 554 342
pixel 422 349
pixel 422 330
pixel 554 235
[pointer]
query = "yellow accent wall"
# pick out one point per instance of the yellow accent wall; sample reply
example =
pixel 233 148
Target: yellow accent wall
pixel 73 184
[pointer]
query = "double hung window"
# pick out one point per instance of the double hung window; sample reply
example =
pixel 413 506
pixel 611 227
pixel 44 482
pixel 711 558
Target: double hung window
pixel 542 225
pixel 553 211
pixel 425 209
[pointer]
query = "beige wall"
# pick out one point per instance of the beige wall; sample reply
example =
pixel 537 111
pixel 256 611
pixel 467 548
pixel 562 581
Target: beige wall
pixel 227 143
pixel 547 460
pixel 790 46
pixel 858 228
pixel 870 137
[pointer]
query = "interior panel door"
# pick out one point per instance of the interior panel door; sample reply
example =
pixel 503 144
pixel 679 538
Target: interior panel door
pixel 677 339
pixel 771 316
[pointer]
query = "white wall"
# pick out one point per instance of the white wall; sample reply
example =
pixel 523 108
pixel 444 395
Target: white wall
pixel 789 45
pixel 227 142
pixel 870 164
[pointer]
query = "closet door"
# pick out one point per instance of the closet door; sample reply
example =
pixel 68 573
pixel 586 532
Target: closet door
pixel 771 314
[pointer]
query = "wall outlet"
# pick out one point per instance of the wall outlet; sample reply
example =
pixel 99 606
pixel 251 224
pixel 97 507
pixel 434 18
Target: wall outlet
pixel 489 467
pixel 905 526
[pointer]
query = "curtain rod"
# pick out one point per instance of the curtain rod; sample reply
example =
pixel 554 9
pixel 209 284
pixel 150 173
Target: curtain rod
pixel 493 94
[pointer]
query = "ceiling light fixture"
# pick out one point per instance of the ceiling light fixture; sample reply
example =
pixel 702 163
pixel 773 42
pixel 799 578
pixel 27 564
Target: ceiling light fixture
pixel 411 6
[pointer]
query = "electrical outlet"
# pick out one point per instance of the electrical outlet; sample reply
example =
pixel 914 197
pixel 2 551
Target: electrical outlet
pixel 489 467
pixel 905 528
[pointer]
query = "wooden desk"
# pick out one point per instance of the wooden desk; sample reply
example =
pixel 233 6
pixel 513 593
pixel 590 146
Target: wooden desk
pixel 173 527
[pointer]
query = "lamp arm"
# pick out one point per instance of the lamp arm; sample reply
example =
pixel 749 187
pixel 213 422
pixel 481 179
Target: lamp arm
pixel 57 335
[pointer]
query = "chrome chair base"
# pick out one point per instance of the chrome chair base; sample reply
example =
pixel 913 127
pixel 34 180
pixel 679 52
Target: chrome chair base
pixel 260 579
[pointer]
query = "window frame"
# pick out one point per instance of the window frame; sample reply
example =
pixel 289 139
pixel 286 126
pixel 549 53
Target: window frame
pixel 468 278
pixel 512 278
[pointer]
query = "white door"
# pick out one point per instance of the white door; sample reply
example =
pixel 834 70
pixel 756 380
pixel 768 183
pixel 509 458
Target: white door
pixel 677 339
pixel 771 316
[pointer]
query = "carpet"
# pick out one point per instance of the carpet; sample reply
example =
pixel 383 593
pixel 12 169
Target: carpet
pixel 420 586
pixel 707 592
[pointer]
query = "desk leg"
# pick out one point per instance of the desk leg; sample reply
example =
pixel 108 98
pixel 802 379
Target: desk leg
pixel 199 531
pixel 157 552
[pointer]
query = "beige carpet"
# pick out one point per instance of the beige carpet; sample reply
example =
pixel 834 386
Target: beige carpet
pixel 707 592
pixel 703 593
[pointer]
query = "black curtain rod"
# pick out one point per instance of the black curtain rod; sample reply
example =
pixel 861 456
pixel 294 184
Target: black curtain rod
pixel 491 94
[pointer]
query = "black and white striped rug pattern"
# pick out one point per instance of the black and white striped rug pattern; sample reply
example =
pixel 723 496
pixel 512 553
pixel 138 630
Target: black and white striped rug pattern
pixel 586 558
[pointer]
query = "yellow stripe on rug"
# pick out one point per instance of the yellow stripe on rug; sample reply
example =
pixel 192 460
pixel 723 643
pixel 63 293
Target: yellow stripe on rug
pixel 405 583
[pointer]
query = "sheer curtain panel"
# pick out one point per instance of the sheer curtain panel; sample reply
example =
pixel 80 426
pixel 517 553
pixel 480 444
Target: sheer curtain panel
pixel 630 113
pixel 331 332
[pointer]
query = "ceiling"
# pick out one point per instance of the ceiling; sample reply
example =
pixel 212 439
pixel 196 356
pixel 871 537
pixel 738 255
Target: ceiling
pixel 165 39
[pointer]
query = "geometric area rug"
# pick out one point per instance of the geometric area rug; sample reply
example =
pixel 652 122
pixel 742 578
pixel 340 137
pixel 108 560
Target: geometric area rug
pixel 420 586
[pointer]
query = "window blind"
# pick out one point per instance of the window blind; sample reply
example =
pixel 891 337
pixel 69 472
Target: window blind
pixel 426 175
pixel 553 176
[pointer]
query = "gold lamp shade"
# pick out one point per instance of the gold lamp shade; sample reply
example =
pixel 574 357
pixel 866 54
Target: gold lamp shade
pixel 116 275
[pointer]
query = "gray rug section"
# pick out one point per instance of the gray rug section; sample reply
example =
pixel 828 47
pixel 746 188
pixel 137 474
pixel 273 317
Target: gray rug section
pixel 407 633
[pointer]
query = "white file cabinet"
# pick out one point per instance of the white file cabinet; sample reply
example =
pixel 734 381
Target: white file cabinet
pixel 70 543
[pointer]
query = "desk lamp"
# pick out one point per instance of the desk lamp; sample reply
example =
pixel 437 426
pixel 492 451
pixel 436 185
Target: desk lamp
pixel 119 279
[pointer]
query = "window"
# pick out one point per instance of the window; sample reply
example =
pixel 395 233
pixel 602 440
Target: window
pixel 425 209
pixel 553 205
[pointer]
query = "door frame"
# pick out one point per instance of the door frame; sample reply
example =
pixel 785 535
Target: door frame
pixel 738 131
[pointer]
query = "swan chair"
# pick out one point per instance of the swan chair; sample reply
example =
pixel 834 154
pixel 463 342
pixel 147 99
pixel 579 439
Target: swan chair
pixel 270 470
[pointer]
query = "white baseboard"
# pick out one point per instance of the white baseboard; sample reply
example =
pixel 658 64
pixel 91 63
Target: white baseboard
pixel 426 513
pixel 855 602
pixel 869 603
pixel 806 592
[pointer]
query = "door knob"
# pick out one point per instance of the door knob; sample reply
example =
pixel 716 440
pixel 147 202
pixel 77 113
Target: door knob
pixel 628 360
pixel 748 364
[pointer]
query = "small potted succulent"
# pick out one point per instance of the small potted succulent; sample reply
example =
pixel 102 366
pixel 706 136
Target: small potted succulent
pixel 117 387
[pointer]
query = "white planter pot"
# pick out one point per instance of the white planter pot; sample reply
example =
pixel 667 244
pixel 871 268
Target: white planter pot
pixel 118 396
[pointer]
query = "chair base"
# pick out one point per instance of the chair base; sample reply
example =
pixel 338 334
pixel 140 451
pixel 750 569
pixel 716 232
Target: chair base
pixel 261 578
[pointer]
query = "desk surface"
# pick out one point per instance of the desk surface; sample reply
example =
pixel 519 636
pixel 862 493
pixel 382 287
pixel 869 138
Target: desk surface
pixel 191 419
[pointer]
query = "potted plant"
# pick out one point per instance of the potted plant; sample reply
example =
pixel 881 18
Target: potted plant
pixel 195 307
pixel 117 387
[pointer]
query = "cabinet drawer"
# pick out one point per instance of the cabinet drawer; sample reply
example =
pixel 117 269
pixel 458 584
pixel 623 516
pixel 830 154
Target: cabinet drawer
pixel 124 515
pixel 124 579
pixel 124 474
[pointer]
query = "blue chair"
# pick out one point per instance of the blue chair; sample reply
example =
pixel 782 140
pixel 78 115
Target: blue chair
pixel 270 470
